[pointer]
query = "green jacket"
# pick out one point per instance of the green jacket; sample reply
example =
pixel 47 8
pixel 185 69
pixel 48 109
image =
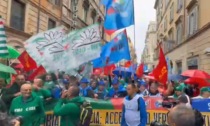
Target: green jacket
pixel 69 110
pixel 8 94
pixel 42 93
pixel 32 110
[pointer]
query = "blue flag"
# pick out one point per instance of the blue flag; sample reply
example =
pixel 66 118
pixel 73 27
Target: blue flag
pixel 119 14
pixel 114 51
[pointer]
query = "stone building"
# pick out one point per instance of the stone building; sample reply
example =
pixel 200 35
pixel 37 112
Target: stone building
pixel 150 45
pixel 183 28
pixel 24 18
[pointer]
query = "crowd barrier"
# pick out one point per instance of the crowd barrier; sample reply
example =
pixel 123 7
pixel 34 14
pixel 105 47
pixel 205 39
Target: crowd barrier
pixel 108 113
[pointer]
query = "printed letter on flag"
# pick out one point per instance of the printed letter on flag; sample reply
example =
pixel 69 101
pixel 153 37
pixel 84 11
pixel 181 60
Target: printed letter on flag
pixel 27 62
pixel 161 72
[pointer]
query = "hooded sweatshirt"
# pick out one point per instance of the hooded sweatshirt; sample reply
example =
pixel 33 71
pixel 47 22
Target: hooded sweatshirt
pixel 31 110
pixel 69 110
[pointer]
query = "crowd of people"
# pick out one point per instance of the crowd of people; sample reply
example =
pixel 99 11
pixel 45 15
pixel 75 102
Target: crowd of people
pixel 26 99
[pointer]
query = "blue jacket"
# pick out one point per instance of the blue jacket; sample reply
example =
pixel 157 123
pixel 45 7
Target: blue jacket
pixel 113 92
pixel 101 95
pixel 143 113
pixel 84 92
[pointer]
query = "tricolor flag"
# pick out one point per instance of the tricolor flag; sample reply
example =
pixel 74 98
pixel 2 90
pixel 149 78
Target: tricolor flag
pixel 3 46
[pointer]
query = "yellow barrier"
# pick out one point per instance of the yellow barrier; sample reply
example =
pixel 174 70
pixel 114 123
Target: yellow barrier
pixel 113 117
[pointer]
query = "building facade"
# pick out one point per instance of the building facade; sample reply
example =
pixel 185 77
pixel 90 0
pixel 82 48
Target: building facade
pixel 150 46
pixel 24 18
pixel 183 28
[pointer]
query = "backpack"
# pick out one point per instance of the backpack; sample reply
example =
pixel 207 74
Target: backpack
pixel 85 114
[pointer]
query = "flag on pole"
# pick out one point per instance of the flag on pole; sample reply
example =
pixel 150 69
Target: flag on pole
pixel 140 70
pixel 119 14
pixel 39 71
pixel 3 42
pixel 27 62
pixel 161 72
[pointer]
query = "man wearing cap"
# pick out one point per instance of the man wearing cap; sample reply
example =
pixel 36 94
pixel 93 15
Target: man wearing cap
pixel 181 96
pixel 101 91
pixel 204 93
pixel 142 88
pixel 114 90
pixel 84 87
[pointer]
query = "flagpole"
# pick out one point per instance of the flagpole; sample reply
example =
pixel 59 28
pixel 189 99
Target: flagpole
pixel 134 27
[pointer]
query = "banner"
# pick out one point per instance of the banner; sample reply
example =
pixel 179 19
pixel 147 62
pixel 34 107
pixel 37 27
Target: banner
pixel 84 46
pixel 45 46
pixel 108 113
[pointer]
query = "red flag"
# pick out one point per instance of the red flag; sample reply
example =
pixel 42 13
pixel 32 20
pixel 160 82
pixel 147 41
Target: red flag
pixel 161 72
pixel 140 70
pixel 39 71
pixel 127 64
pixel 97 71
pixel 27 62
pixel 108 69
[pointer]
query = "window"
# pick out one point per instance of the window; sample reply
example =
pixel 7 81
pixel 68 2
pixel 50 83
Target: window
pixel 85 5
pixel 165 24
pixel 93 16
pixel 85 13
pixel 179 33
pixel 51 24
pixel 55 2
pixel 172 13
pixel 179 67
pixel 179 5
pixel 192 63
pixel 17 15
pixel 193 21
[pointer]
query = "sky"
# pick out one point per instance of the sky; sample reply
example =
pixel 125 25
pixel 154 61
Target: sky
pixel 144 13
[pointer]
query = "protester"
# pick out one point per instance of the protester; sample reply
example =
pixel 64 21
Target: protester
pixel 115 89
pixel 39 91
pixel 153 90
pixel 2 86
pixel 182 97
pixel 134 109
pixel 50 80
pixel 84 87
pixel 101 91
pixel 204 93
pixel 143 88
pixel 68 107
pixel 29 106
pixel 181 115
pixel 13 91
pixel 94 84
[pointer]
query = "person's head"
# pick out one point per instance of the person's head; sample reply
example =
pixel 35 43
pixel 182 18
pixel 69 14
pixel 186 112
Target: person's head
pixel 20 79
pixel 48 78
pixel 73 91
pixel 179 90
pixel 84 83
pixel 115 83
pixel 101 85
pixel 131 89
pixel 26 90
pixel 73 80
pixel 94 84
pixel 38 82
pixel 205 92
pixel 2 82
pixel 181 115
pixel 66 76
pixel 153 87
pixel 142 85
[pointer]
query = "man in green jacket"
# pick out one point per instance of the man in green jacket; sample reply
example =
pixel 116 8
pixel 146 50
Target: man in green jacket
pixel 39 91
pixel 28 106
pixel 13 91
pixel 68 107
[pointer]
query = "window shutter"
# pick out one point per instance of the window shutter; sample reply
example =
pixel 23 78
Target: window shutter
pixel 188 26
pixel 196 19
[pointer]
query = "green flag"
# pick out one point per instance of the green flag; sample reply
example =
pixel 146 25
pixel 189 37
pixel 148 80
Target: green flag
pixel 3 46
